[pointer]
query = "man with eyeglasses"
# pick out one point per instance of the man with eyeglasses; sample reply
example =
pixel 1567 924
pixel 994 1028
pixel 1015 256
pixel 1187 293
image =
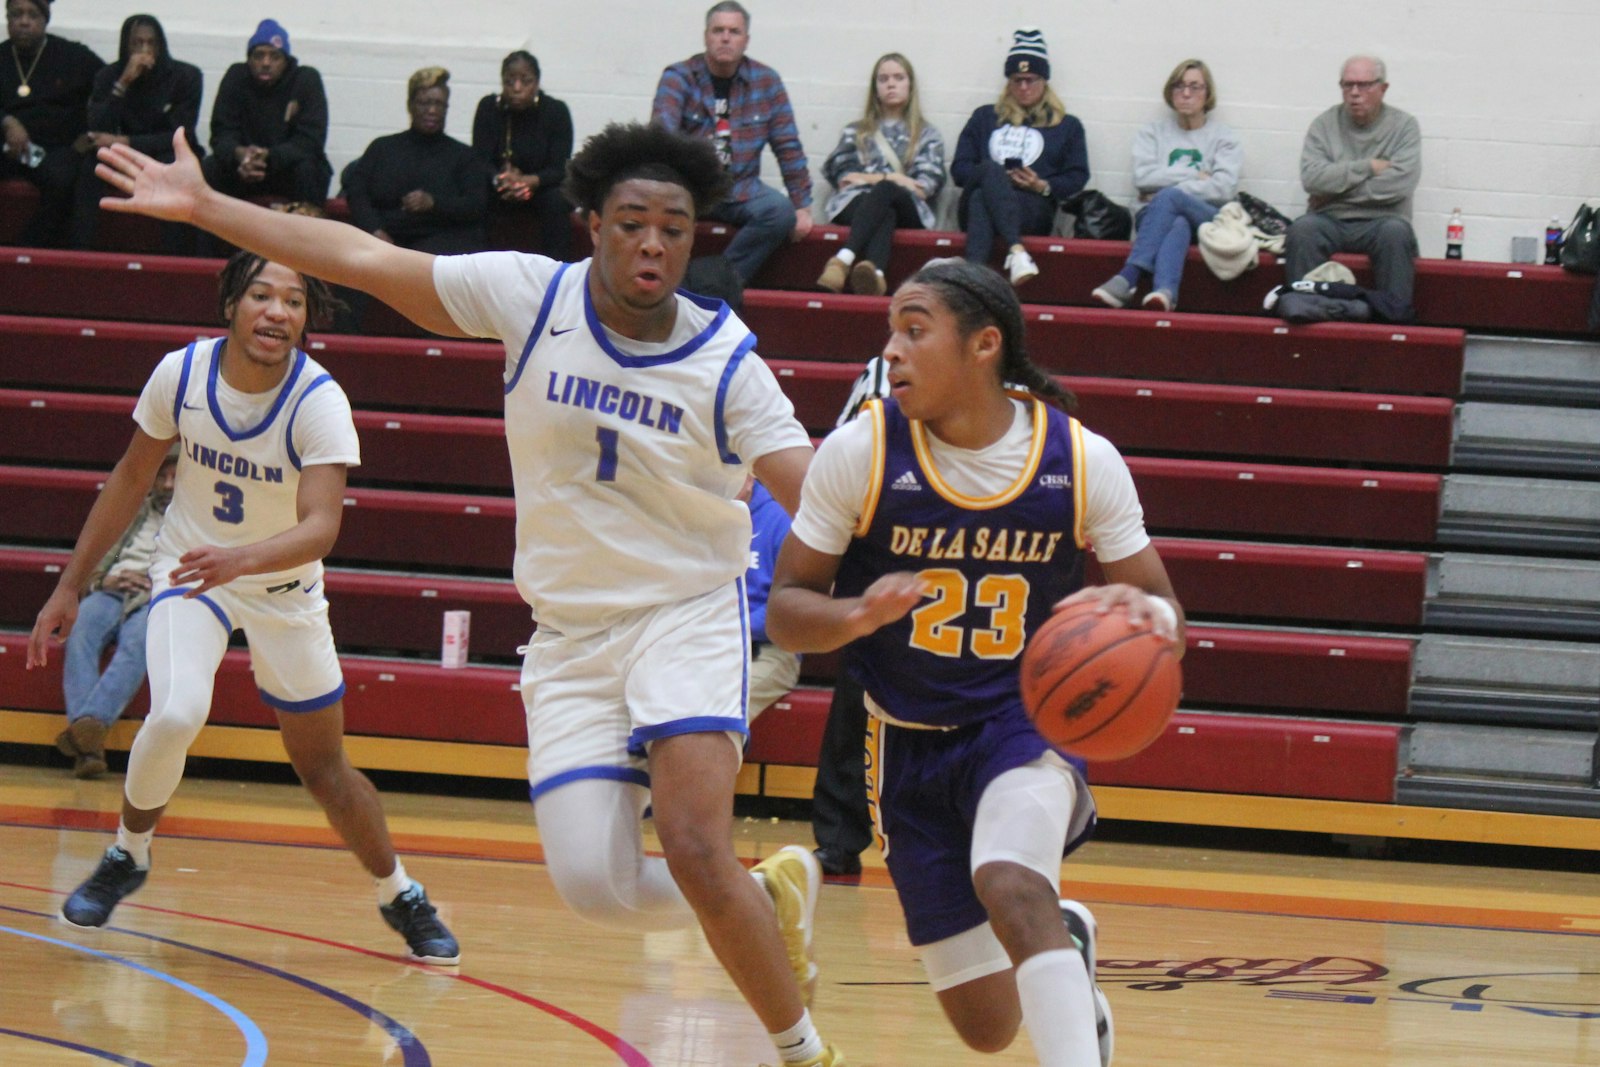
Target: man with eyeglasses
pixel 1360 165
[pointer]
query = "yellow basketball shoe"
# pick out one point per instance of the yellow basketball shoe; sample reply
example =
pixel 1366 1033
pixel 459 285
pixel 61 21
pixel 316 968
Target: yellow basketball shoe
pixel 831 1057
pixel 791 876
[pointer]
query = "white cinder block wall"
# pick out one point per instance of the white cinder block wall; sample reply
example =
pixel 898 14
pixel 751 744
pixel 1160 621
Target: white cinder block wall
pixel 1509 105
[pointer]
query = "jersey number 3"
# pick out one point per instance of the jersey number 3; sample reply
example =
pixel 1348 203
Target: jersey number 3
pixel 1006 597
pixel 231 508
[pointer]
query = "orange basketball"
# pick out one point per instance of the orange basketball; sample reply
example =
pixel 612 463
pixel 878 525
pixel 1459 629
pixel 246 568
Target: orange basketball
pixel 1097 686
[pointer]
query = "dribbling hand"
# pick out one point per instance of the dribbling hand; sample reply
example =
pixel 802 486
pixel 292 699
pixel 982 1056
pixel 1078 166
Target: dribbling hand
pixel 885 600
pixel 161 190
pixel 1135 601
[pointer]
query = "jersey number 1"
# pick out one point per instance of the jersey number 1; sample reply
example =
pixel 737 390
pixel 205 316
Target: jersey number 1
pixel 607 470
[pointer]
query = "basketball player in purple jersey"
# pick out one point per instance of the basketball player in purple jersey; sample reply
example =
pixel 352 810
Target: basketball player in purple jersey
pixel 947 521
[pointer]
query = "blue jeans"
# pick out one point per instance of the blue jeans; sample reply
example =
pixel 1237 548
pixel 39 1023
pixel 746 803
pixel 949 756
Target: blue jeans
pixel 1166 228
pixel 992 206
pixel 89 693
pixel 765 221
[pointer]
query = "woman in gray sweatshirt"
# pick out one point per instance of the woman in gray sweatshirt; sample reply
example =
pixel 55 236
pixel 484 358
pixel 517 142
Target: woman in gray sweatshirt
pixel 1185 166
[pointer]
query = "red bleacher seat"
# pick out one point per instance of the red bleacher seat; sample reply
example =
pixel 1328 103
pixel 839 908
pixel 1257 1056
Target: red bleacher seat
pixel 1100 342
pixel 1321 759
pixel 448 530
pixel 1295 582
pixel 394 612
pixel 1240 667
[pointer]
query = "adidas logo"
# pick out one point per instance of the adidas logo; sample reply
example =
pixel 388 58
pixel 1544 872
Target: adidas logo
pixel 909 481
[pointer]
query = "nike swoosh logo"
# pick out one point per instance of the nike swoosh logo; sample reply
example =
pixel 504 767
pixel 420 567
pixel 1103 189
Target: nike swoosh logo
pixel 312 586
pixel 192 407
pixel 557 333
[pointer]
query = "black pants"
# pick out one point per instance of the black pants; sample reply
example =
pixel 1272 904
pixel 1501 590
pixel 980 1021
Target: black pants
pixel 551 212
pixel 872 218
pixel 839 815
pixel 993 206
pixel 307 180
pixel 54 178
pixel 176 238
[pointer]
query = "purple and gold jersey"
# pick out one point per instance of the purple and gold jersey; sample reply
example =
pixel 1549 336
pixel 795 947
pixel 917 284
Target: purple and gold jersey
pixel 993 567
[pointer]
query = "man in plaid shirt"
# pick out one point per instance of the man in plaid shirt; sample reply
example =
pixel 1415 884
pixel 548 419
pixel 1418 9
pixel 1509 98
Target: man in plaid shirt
pixel 740 106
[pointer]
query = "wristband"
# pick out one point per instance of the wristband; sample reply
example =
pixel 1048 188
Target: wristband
pixel 1166 617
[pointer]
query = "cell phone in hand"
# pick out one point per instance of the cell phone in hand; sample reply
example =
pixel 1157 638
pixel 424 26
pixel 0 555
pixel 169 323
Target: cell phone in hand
pixel 1013 163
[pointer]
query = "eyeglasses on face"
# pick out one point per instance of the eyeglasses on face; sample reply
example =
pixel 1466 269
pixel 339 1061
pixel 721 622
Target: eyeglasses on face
pixel 1360 87
pixel 1188 87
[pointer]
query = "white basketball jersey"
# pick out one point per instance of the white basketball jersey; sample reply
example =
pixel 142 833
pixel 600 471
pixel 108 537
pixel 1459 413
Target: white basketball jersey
pixel 238 477
pixel 624 477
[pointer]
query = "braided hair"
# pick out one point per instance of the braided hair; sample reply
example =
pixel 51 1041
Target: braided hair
pixel 979 297
pixel 244 267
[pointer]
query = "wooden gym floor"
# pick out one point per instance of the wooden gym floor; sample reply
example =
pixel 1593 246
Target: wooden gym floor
pixel 257 940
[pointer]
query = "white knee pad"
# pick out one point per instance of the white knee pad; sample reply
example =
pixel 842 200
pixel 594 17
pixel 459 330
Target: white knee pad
pixel 1024 817
pixel 595 855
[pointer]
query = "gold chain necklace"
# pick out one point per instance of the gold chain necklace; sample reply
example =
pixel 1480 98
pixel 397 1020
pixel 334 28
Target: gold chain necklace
pixel 24 90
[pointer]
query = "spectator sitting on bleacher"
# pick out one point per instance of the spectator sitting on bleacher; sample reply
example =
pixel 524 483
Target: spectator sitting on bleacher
pixel 524 137
pixel 421 188
pixel 1185 167
pixel 269 124
pixel 44 96
pixel 1360 166
pixel 1016 159
pixel 740 106
pixel 139 100
pixel 886 171
pixel 115 610
pixel 773 670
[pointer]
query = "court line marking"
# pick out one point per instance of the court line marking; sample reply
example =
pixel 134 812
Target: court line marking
pixel 625 1052
pixel 255 1042
pixel 101 1053
pixel 1309 906
pixel 412 1050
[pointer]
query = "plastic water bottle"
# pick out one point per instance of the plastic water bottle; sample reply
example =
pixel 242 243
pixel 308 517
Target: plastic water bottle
pixel 1455 232
pixel 32 156
pixel 1552 241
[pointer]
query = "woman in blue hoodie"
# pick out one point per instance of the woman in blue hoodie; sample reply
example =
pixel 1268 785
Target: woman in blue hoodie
pixel 1017 159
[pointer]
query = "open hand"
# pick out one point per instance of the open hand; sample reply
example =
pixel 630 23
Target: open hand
pixel 885 600
pixel 161 190
pixel 210 566
pixel 1130 598
pixel 53 624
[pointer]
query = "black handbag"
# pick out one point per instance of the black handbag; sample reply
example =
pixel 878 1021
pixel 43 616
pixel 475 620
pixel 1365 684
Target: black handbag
pixel 1580 246
pixel 1096 215
pixel 1263 216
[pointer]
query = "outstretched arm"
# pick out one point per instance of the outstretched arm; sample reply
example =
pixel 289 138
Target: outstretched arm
pixel 326 249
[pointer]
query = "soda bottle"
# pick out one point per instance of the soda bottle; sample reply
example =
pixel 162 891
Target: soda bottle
pixel 1454 232
pixel 1552 241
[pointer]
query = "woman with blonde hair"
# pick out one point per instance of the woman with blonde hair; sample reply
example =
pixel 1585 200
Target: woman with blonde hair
pixel 1017 159
pixel 886 170
pixel 1185 167
pixel 421 188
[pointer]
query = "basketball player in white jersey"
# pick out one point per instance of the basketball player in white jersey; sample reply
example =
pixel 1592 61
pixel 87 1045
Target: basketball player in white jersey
pixel 265 437
pixel 633 413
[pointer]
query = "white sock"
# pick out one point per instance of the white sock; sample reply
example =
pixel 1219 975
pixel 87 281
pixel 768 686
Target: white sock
pixel 845 256
pixel 135 845
pixel 394 884
pixel 1058 1009
pixel 800 1042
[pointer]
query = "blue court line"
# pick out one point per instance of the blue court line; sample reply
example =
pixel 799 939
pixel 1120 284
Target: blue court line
pixel 255 1052
pixel 110 1057
pixel 413 1052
